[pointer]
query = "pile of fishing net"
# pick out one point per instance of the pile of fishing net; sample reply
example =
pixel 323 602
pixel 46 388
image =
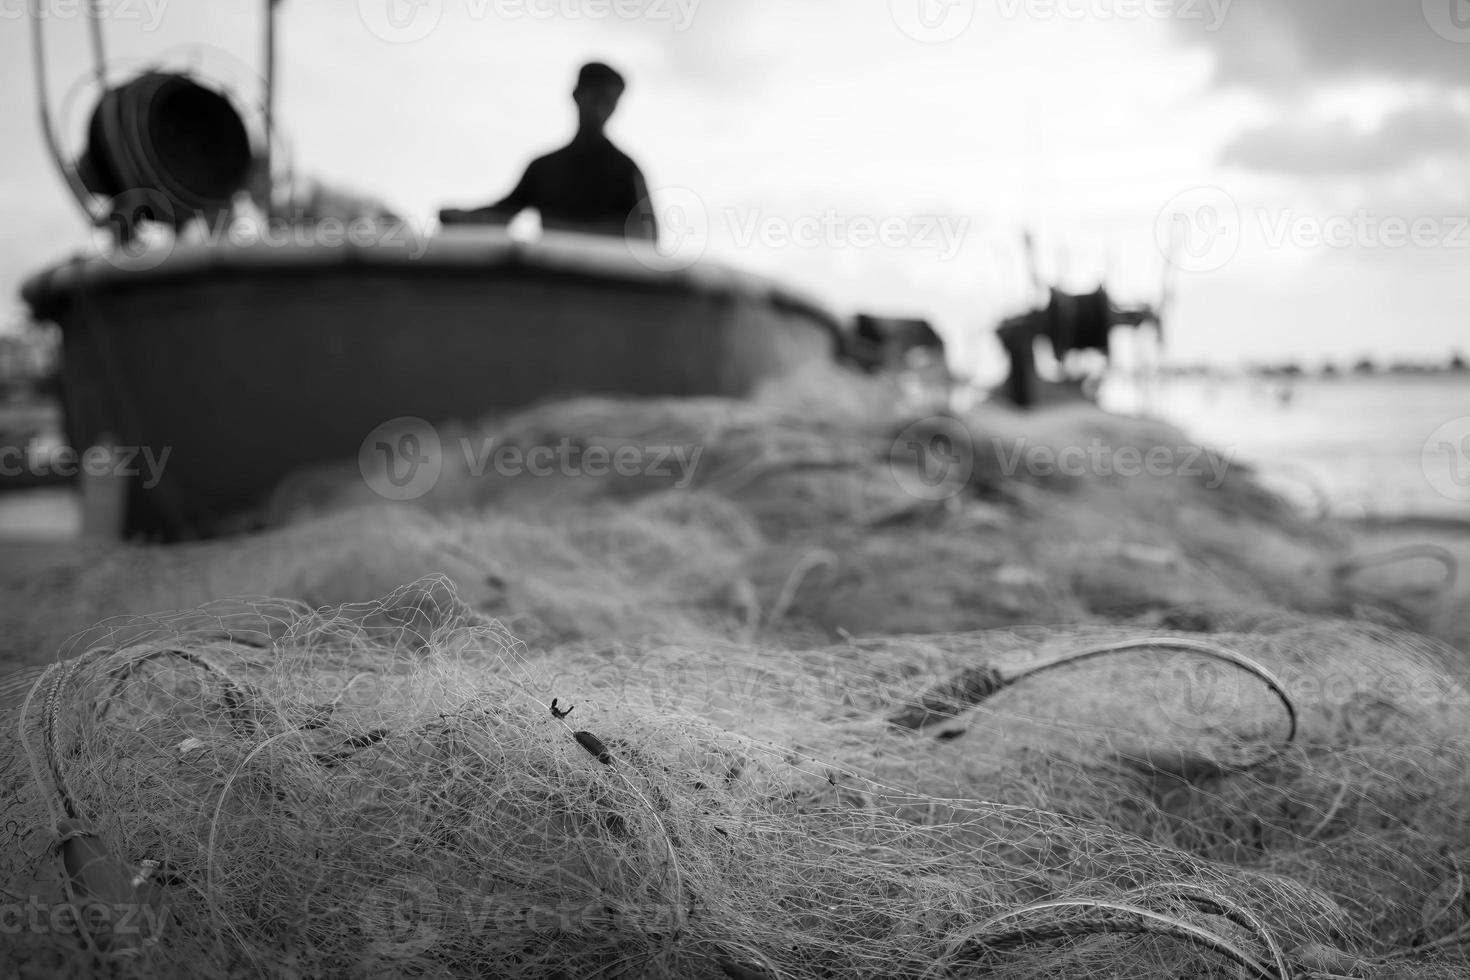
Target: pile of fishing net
pixel 849 691
pixel 786 523
pixel 401 788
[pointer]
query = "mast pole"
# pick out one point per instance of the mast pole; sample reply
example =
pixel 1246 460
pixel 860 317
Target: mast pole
pixel 99 52
pixel 266 177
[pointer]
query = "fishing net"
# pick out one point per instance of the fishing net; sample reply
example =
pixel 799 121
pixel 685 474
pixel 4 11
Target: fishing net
pixel 772 519
pixel 846 699
pixel 401 788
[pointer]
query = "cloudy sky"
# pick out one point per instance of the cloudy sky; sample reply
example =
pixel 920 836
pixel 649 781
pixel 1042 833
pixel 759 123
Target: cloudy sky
pixel 1305 163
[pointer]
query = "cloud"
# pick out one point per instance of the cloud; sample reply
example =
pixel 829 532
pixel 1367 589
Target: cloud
pixel 1310 148
pixel 1280 45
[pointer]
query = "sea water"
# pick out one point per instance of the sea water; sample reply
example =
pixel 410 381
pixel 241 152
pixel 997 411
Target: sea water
pixel 1353 445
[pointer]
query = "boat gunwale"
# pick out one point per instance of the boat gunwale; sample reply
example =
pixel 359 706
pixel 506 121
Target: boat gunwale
pixel 556 255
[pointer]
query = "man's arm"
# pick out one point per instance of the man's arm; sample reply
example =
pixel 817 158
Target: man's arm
pixel 499 213
pixel 646 221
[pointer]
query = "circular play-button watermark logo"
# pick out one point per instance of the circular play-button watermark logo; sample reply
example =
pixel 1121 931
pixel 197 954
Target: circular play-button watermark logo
pixel 401 21
pixel 933 458
pixel 401 918
pixel 138 231
pixel 1200 695
pixel 1445 459
pixel 680 220
pixel 1450 19
pixel 932 21
pixel 401 459
pixel 1198 230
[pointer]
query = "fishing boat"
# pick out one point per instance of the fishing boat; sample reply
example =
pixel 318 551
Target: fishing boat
pixel 1070 323
pixel 244 363
pixel 243 358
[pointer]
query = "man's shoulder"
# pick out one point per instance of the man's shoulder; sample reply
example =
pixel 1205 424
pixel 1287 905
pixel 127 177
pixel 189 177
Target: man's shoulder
pixel 624 160
pixel 546 159
pixel 604 150
pixel 612 150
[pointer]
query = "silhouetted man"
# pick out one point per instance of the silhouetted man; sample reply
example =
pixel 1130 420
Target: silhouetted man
pixel 587 185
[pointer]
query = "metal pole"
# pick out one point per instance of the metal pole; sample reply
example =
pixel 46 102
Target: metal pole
pixel 270 103
pixel 99 54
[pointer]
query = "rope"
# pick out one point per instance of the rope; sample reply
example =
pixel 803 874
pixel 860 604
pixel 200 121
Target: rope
pixel 1350 567
pixel 975 684
pixel 94 31
pixel 69 174
pixel 1213 903
pixel 1107 917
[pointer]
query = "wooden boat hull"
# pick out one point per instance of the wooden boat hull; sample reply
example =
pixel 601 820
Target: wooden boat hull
pixel 245 363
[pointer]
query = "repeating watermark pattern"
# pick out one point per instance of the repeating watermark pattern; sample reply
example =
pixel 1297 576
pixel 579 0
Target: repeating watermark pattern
pixel 1193 693
pixel 138 233
pixel 682 225
pixel 934 458
pixel 144 14
pixel 670 675
pixel 686 227
pixel 1362 229
pixel 939 21
pixel 942 234
pixel 1201 229
pixel 407 21
pixel 932 21
pixel 401 21
pixel 118 919
pixel 1445 459
pixel 40 461
pixel 363 231
pixel 1100 459
pixel 1450 19
pixel 1211 13
pixel 402 917
pixel 1200 694
pixel 404 458
pixel 408 915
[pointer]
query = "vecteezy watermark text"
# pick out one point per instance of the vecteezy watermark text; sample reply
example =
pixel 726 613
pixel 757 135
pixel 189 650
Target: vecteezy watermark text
pixel 934 458
pixel 410 914
pixel 407 21
pixel 40 461
pixel 1210 12
pixel 943 234
pixel 155 243
pixel 939 21
pixel 687 227
pixel 1098 458
pixel 1362 229
pixel 150 12
pixel 1201 694
pixel 403 459
pixel 35 917
pixel 1201 229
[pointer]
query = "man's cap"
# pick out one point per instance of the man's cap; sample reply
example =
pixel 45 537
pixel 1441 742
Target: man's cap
pixel 595 73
